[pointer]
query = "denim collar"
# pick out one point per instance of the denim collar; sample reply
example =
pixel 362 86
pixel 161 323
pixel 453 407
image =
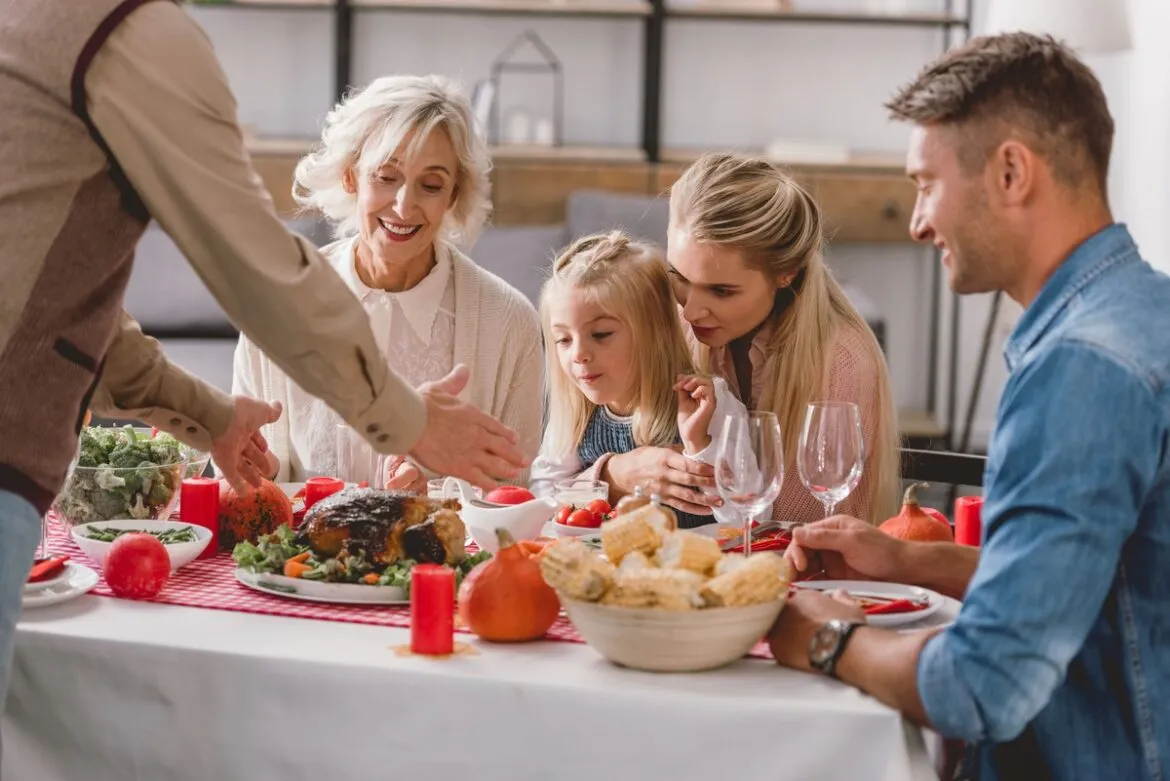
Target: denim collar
pixel 1097 254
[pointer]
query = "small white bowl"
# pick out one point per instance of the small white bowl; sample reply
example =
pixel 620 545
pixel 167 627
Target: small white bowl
pixel 180 553
pixel 674 641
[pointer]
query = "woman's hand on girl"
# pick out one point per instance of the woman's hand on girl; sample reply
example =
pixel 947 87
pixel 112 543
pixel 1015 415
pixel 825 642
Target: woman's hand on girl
pixel 696 406
pixel 666 472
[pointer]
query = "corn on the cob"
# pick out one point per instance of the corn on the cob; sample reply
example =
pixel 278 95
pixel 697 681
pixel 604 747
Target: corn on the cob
pixel 668 589
pixel 635 560
pixel 690 551
pixel 627 533
pixel 571 568
pixel 762 578
pixel 729 563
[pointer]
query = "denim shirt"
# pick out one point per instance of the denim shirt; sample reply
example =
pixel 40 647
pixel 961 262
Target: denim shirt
pixel 1061 651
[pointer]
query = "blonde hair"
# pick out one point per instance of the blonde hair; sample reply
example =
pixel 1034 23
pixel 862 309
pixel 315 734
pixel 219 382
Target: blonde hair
pixel 628 280
pixel 749 205
pixel 365 129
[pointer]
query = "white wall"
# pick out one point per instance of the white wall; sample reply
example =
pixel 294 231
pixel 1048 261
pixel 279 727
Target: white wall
pixel 729 84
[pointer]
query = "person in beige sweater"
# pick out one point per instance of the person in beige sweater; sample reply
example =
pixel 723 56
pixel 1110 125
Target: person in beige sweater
pixel 113 113
pixel 402 174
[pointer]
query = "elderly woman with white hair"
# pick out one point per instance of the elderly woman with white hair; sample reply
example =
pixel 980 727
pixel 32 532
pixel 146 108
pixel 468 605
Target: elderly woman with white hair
pixel 402 175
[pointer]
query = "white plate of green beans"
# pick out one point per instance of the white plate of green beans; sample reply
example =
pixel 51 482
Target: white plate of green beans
pixel 183 541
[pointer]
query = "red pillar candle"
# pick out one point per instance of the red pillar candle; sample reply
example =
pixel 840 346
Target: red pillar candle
pixel 317 488
pixel 969 520
pixel 199 506
pixel 432 609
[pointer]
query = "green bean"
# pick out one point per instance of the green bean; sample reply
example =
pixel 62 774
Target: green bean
pixel 166 537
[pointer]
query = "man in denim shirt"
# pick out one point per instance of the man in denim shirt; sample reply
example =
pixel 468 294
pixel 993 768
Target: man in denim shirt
pixel 1058 665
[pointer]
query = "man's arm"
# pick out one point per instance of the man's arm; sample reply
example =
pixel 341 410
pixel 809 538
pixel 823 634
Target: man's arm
pixel 159 99
pixel 1055 532
pixel 940 566
pixel 139 383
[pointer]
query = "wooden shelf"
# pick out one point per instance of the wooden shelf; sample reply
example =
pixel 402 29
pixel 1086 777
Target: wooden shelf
pixel 730 12
pixel 597 8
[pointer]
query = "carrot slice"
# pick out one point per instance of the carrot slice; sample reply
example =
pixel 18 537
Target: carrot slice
pixel 295 569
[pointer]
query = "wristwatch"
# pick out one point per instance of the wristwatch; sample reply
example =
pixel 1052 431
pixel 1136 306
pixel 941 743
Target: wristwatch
pixel 828 644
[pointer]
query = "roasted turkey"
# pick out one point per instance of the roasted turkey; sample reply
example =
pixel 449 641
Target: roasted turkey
pixel 386 525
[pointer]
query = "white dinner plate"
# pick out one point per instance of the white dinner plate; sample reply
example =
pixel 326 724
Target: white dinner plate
pixel 320 591
pixel 79 580
pixel 864 588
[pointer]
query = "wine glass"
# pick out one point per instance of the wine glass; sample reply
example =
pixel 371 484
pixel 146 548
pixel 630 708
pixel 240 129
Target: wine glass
pixel 749 468
pixel 832 451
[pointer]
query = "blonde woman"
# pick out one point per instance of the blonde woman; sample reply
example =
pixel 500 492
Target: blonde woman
pixel 763 311
pixel 403 177
pixel 619 369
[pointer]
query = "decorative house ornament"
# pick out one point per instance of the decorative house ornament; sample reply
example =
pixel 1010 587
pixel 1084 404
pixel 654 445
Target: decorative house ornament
pixel 521 123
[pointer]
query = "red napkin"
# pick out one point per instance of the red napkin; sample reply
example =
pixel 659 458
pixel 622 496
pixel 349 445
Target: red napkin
pixel 43 569
pixel 777 541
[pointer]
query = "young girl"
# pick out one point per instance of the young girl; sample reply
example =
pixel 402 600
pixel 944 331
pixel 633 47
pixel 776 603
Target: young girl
pixel 619 371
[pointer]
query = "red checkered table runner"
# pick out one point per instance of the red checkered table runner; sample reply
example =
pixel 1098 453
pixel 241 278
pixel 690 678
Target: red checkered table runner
pixel 211 584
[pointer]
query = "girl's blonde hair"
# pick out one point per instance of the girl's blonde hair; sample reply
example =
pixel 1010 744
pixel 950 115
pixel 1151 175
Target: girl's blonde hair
pixel 628 280
pixel 748 204
pixel 363 132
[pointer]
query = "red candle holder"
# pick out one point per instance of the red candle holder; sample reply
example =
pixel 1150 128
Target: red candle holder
pixel 432 610
pixel 969 520
pixel 317 488
pixel 199 506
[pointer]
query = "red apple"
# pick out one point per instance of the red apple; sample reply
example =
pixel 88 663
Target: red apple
pixel 509 494
pixel 137 566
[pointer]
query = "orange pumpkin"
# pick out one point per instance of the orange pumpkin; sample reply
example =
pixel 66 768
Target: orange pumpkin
pixel 248 515
pixel 914 523
pixel 505 599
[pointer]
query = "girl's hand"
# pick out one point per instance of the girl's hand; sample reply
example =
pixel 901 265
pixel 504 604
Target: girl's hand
pixel 664 471
pixel 696 406
pixel 405 476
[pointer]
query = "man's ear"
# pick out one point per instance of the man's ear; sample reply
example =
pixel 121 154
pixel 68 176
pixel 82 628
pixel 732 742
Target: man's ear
pixel 1013 168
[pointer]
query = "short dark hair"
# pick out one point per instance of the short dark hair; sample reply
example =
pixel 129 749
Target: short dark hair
pixel 1031 86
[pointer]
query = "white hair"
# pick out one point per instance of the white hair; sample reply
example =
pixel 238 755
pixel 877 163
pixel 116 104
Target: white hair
pixel 363 131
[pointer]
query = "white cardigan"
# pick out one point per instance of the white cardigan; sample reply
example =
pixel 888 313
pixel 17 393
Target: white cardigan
pixel 497 336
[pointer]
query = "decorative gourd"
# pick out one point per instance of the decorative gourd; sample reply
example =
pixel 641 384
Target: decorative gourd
pixel 248 515
pixel 914 523
pixel 505 599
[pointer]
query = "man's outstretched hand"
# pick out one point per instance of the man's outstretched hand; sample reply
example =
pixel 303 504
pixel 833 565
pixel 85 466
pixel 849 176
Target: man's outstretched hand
pixel 461 441
pixel 241 453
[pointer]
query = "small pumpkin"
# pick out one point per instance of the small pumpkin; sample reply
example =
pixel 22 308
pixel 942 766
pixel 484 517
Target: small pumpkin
pixel 505 599
pixel 254 512
pixel 915 523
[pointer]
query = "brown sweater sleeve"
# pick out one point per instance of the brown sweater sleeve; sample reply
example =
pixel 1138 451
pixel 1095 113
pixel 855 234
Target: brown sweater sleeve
pixel 139 382
pixel 160 100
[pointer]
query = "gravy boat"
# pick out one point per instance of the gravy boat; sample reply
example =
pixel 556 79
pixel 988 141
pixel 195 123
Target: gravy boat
pixel 523 521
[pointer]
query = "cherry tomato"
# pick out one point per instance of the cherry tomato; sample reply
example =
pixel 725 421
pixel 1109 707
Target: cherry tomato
pixel 599 507
pixel 583 518
pixel 563 514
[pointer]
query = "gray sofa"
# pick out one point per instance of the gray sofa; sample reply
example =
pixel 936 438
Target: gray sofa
pixel 171 303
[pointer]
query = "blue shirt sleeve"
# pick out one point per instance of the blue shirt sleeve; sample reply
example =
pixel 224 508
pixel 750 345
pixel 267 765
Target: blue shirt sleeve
pixel 1076 448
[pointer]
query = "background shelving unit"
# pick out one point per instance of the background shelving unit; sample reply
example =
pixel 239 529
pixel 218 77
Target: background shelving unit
pixel 865 199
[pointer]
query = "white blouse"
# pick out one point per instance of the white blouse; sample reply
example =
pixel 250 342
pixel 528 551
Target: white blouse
pixel 421 337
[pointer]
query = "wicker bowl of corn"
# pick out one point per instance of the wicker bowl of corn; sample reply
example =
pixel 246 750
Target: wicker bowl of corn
pixel 665 600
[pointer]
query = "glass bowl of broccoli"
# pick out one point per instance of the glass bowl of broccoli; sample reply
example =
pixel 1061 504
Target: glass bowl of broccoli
pixel 126 473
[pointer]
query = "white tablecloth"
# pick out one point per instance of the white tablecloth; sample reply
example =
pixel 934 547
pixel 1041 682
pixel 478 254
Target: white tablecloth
pixel 110 690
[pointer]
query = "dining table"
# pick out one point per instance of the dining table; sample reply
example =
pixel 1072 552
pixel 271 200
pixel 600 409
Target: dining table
pixel 211 680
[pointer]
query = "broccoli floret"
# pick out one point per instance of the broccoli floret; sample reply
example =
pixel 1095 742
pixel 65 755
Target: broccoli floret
pixel 107 479
pixel 138 510
pixel 109 504
pixel 159 494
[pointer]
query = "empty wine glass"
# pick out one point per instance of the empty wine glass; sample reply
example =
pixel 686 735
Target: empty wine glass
pixel 832 451
pixel 749 469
